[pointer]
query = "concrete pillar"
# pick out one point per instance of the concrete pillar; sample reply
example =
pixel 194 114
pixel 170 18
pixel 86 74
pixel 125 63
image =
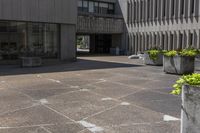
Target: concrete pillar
pixel 67 42
pixel 92 43
pixel 198 38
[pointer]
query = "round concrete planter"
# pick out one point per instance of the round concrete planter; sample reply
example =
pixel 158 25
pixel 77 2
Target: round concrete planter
pixel 190 113
pixel 149 61
pixel 178 64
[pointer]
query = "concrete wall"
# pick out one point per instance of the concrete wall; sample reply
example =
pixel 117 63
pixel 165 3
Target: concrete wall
pixel 52 11
pixel 161 24
pixel 67 42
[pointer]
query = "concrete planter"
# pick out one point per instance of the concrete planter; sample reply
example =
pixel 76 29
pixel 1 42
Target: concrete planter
pixel 190 113
pixel 31 61
pixel 178 64
pixel 197 64
pixel 149 61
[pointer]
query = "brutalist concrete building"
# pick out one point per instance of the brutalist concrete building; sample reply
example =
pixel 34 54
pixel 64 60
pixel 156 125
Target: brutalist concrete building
pixel 170 24
pixel 48 28
pixel 44 28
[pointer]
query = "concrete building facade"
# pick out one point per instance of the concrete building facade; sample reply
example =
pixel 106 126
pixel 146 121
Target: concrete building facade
pixel 102 20
pixel 45 28
pixel 169 24
pixel 48 28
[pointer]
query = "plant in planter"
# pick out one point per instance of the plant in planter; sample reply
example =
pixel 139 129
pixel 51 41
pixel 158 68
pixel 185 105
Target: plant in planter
pixel 153 57
pixel 189 86
pixel 179 62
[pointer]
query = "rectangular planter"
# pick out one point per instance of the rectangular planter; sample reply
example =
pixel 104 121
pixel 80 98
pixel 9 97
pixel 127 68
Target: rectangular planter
pixel 178 64
pixel 190 113
pixel 197 64
pixel 149 61
pixel 31 61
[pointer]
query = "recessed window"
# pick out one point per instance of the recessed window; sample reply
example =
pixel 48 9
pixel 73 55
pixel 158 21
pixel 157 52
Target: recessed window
pixel 96 7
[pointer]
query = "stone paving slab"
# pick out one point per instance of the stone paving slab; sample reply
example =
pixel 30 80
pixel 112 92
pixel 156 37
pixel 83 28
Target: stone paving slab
pixel 165 127
pixel 106 94
pixel 24 130
pixel 114 90
pixel 79 105
pixel 36 115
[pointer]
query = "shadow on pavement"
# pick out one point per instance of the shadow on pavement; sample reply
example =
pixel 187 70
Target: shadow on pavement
pixel 81 64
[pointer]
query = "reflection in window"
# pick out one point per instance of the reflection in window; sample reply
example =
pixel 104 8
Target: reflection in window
pixel 91 6
pixel 96 7
pixel 28 39
pixel 85 6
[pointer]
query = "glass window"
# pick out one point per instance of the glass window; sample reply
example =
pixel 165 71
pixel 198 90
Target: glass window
pixel 80 5
pixel 111 9
pixel 91 6
pixel 103 7
pixel 28 39
pixel 85 6
pixel 96 7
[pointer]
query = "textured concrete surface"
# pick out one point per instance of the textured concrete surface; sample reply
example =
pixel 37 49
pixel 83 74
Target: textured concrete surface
pixel 104 94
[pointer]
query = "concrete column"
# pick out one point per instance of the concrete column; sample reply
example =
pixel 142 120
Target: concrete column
pixel 145 42
pixel 139 42
pixel 198 38
pixel 185 38
pixel 166 41
pixel 67 42
pixel 136 43
pixel 195 39
pixel 175 41
pixel 150 40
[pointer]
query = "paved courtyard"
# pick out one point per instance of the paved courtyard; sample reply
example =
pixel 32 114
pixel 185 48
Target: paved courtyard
pixel 105 94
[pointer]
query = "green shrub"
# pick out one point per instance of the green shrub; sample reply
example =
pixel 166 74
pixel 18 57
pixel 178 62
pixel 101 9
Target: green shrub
pixel 184 52
pixel 171 53
pixel 193 80
pixel 153 54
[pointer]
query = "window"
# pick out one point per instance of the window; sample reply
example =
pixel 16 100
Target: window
pixel 172 8
pixel 141 10
pixel 96 7
pixel 156 8
pixel 181 41
pixel 28 39
pixel 164 14
pixel 85 6
pixel 191 39
pixel 148 9
pixel 192 6
pixel 80 5
pixel 111 9
pixel 103 8
pixel 91 6
pixel 182 7
pixel 128 12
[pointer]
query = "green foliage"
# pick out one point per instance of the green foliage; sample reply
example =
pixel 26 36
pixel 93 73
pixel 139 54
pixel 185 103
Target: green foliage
pixel 153 54
pixel 192 79
pixel 184 52
pixel 188 52
pixel 171 53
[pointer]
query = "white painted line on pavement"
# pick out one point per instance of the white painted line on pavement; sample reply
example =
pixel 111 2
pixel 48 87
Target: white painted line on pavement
pixel 106 99
pixel 91 127
pixel 53 80
pixel 170 118
pixel 43 101
pixel 125 104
